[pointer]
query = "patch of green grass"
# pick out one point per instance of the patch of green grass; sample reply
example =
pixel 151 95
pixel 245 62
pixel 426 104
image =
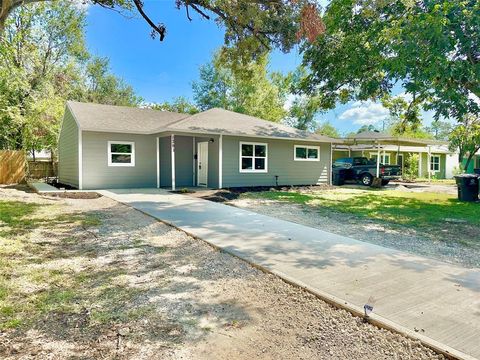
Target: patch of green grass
pixel 15 217
pixel 404 208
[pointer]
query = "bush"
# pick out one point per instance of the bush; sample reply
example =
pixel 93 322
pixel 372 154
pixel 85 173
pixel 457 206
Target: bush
pixel 410 169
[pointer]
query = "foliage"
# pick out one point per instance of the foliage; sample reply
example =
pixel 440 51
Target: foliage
pixel 404 116
pixel 44 62
pixel 100 86
pixel 465 138
pixel 327 129
pixel 179 105
pixel 247 89
pixel 429 47
pixel 410 166
pixel 251 27
pixel 440 129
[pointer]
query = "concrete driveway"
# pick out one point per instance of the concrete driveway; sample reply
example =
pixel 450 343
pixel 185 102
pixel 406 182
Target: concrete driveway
pixel 437 302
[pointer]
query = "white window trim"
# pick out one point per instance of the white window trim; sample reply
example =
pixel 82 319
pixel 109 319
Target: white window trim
pixel 253 157
pixel 432 163
pixel 109 150
pixel 372 155
pixel 306 147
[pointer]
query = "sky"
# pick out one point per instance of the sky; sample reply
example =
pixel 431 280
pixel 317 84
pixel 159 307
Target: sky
pixel 162 71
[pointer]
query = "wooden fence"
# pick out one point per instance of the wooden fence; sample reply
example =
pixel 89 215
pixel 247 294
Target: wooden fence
pixel 12 166
pixel 42 169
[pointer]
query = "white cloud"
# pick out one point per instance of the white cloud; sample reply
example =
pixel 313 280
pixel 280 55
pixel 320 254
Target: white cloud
pixel 365 113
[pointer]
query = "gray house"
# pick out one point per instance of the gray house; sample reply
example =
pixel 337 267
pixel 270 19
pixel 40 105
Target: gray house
pixel 103 146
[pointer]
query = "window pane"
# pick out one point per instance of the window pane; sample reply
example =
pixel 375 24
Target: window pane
pixel 121 148
pixel 259 164
pixel 121 159
pixel 313 153
pixel 247 150
pixel 301 153
pixel 260 150
pixel 247 163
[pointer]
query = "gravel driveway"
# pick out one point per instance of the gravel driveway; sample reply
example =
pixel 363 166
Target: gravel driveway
pixel 144 290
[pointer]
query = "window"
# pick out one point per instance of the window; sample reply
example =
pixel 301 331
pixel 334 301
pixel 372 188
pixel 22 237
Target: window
pixel 385 161
pixel 434 163
pixel 253 157
pixel 306 153
pixel 121 153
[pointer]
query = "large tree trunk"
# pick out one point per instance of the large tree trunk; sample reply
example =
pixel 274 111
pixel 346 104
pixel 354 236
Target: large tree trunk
pixel 6 8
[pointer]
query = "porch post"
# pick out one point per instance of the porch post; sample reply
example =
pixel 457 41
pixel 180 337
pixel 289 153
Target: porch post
pixel 158 162
pixel 378 160
pixel 419 164
pixel 194 170
pixel 429 162
pixel 398 154
pixel 330 182
pixel 220 162
pixel 383 156
pixel 172 151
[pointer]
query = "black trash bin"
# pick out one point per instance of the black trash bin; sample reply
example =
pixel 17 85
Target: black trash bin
pixel 476 171
pixel 339 176
pixel 467 187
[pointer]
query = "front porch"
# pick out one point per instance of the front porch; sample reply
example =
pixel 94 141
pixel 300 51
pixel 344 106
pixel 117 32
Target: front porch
pixel 189 161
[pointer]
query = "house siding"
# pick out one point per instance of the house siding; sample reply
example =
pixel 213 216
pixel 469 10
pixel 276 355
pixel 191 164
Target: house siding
pixel 98 175
pixel 68 151
pixel 280 162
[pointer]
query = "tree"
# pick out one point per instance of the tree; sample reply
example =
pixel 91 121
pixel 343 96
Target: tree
pixel 431 48
pixel 327 129
pixel 100 86
pixel 36 54
pixel 247 89
pixel 251 27
pixel 179 105
pixel 465 138
pixel 440 129
pixel 43 63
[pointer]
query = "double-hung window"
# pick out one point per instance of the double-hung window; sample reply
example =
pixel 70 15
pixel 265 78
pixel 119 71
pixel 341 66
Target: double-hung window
pixel 253 157
pixel 434 163
pixel 385 160
pixel 121 153
pixel 306 153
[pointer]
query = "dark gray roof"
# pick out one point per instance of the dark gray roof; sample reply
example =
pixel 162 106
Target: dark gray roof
pixel 95 117
pixel 221 121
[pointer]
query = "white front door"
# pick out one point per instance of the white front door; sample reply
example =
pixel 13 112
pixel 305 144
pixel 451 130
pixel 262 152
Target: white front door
pixel 202 163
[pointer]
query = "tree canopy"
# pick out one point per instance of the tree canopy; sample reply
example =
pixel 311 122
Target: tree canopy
pixel 466 138
pixel 249 89
pixel 251 27
pixel 43 63
pixel 430 48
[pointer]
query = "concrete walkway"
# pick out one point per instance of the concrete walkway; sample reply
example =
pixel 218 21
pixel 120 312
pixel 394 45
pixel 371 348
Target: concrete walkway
pixel 434 301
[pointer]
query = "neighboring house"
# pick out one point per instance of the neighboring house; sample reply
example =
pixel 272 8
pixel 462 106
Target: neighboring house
pixel 474 163
pixel 103 146
pixel 432 155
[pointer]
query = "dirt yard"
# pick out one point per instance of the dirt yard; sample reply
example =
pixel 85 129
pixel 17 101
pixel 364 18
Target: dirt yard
pixel 90 278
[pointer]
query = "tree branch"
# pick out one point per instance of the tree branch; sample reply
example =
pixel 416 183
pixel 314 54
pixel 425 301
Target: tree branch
pixel 159 29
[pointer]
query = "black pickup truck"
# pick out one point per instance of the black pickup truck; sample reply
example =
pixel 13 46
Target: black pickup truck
pixel 364 170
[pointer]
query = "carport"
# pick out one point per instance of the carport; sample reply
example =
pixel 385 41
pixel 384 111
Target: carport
pixel 378 142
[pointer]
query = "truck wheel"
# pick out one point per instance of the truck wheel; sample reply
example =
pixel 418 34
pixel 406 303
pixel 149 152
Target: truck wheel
pixel 366 179
pixel 385 182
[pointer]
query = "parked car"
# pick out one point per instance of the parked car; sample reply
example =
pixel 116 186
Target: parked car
pixel 364 170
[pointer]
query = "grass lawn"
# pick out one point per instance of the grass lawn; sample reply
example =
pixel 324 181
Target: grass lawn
pixel 414 209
